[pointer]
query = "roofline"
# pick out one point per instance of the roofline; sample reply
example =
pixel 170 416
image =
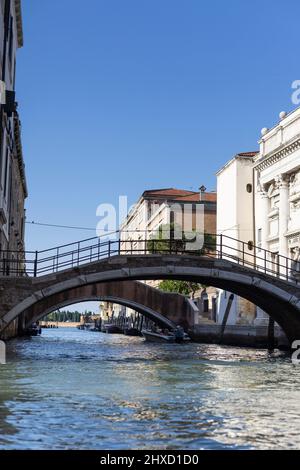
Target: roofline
pixel 20 158
pixel 272 129
pixel 18 10
pixel 166 199
pixel 159 189
pixel 238 156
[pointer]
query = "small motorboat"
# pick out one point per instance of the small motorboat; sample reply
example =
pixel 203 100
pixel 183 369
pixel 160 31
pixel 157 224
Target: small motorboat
pixel 132 332
pixel 165 336
pixel 33 330
pixel 153 337
pixel 112 329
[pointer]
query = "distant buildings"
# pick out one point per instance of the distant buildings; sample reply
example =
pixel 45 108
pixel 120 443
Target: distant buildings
pixel 13 189
pixel 160 207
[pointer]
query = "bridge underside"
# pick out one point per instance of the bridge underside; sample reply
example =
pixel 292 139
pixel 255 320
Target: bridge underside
pixel 280 299
pixel 167 310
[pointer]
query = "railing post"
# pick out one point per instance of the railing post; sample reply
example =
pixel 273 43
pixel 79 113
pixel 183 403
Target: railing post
pixel 119 246
pixel 57 259
pixel 109 243
pixel 221 246
pixel 36 263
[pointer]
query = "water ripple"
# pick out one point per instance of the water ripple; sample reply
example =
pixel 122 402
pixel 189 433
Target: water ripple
pixel 81 390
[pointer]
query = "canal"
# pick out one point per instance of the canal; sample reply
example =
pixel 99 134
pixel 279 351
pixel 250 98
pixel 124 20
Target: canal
pixel 71 389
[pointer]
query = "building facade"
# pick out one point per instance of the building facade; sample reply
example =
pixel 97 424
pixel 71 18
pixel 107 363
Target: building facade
pixel 13 189
pixel 160 207
pixel 235 220
pixel 259 202
pixel 277 195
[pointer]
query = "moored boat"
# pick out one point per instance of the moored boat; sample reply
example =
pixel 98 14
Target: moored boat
pixel 33 330
pixel 113 329
pixel 132 332
pixel 165 336
pixel 153 337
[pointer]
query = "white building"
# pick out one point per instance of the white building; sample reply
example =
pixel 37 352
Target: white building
pixel 259 202
pixel 277 197
pixel 235 221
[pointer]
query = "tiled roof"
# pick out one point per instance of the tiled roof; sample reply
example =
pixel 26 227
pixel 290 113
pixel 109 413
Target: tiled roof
pixel 247 154
pixel 178 195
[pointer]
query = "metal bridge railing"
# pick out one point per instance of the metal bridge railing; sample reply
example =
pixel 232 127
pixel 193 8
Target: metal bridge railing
pixel 39 263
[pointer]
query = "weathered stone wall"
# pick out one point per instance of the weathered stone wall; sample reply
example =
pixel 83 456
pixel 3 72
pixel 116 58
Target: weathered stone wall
pixel 160 306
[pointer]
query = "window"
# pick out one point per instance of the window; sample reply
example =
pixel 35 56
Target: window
pixel 5 173
pixel 249 188
pixel 274 226
pixel 1 152
pixel 14 74
pixel 11 39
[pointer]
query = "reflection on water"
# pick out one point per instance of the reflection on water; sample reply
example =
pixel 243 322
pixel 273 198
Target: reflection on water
pixel 73 389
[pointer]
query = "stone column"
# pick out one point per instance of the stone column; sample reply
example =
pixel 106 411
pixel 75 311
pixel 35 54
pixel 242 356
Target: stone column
pixel 262 318
pixel 264 200
pixel 284 213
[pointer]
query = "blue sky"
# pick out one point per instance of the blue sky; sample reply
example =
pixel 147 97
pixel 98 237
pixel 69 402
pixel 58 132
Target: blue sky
pixel 121 96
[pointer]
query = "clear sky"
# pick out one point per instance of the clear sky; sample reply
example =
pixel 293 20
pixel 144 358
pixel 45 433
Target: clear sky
pixel 121 96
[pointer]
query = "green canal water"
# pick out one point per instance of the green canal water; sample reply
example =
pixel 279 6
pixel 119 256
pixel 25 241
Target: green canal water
pixel 71 389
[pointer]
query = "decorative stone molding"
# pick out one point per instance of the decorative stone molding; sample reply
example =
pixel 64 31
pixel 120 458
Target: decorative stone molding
pixel 282 181
pixel 274 213
pixel 267 161
pixel 295 197
pixel 294 245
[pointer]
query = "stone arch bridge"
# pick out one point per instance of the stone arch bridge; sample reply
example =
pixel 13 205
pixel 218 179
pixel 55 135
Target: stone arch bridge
pixel 112 279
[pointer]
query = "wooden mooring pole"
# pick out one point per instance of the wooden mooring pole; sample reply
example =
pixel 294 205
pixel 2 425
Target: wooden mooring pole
pixel 226 315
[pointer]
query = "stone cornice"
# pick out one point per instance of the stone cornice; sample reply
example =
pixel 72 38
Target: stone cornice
pixel 269 160
pixel 293 233
pixel 19 22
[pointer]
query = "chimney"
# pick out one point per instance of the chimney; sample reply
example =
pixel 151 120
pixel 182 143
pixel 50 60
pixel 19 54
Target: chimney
pixel 202 190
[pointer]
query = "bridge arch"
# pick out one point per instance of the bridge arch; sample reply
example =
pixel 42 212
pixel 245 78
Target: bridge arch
pixel 41 309
pixel 280 299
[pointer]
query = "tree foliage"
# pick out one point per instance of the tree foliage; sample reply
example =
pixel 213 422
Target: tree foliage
pixel 179 287
pixel 66 315
pixel 170 238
